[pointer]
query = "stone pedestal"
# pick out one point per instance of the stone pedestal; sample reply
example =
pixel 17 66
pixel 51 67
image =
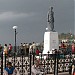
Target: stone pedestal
pixel 51 42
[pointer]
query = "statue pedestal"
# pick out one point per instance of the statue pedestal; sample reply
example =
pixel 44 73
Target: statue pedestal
pixel 50 42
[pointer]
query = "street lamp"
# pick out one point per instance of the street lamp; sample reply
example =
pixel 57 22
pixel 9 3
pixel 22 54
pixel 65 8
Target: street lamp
pixel 15 27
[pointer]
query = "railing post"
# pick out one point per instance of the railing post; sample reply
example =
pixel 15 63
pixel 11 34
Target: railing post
pixel 22 64
pixel 48 63
pixel 57 61
pixel 40 58
pixel 2 63
pixel 5 60
pixel 55 64
pixel 64 64
pixel 33 57
pixel 70 57
pixel 70 64
pixel 30 62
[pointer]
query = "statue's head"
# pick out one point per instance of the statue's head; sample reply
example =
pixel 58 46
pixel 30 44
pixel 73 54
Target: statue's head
pixel 51 8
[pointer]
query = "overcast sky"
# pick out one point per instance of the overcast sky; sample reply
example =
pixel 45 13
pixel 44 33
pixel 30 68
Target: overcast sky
pixel 31 18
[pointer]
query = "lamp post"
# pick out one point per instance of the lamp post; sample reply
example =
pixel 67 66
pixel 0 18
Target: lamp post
pixel 15 27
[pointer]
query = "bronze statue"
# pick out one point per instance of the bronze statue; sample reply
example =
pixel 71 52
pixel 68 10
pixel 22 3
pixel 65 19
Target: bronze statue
pixel 50 19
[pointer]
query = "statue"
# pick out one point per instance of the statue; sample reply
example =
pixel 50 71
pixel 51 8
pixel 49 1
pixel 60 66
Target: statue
pixel 50 19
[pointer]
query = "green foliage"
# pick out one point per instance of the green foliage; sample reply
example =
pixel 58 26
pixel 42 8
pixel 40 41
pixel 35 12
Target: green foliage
pixel 66 36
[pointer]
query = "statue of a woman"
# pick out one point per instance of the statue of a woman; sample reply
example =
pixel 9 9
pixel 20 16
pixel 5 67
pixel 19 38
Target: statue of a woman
pixel 50 19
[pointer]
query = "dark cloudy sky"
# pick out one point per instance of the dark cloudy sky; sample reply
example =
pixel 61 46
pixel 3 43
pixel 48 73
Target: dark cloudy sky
pixel 31 18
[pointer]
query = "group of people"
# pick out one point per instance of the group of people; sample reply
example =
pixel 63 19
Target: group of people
pixel 25 48
pixel 66 47
pixel 35 69
pixel 6 49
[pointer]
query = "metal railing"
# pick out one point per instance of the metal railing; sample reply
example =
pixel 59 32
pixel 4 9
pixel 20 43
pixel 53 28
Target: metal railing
pixel 51 63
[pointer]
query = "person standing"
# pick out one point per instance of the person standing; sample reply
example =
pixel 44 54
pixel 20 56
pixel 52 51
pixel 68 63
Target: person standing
pixel 24 46
pixel 30 49
pixel 34 47
pixel 72 68
pixel 5 49
pixel 27 48
pixel 73 48
pixel 0 48
pixel 37 51
pixel 9 49
pixel 22 49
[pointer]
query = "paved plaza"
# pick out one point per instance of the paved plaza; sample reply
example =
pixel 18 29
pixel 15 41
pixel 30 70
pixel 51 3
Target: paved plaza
pixel 64 73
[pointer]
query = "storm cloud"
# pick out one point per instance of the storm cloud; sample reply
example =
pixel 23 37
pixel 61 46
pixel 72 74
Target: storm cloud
pixel 31 18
